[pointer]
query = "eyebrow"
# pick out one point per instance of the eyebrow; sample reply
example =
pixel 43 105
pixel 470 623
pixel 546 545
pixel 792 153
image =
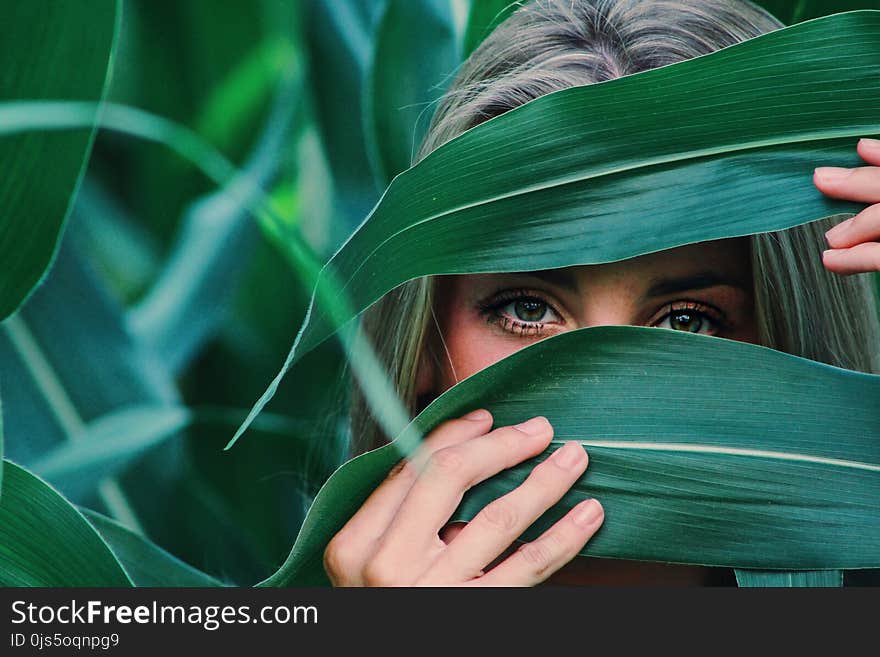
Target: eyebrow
pixel 563 278
pixel 697 281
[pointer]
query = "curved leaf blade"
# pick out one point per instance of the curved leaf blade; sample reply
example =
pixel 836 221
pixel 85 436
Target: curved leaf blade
pixel 45 541
pixel 558 181
pixel 485 16
pixel 405 79
pixel 730 480
pixel 146 563
pixel 811 578
pixel 57 52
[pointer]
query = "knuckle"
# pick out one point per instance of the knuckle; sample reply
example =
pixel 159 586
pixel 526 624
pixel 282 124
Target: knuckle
pixel 446 462
pixel 340 556
pixel 537 556
pixel 501 515
pixel 380 571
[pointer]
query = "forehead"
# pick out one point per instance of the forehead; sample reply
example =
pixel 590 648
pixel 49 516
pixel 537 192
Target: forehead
pixel 730 256
pixel 725 261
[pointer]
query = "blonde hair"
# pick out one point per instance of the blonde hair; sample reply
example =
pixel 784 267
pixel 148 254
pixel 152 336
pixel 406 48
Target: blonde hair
pixel 550 45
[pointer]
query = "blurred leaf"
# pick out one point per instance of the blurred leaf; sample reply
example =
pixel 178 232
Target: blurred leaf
pixel 339 36
pixel 146 563
pixel 553 183
pixel 109 444
pixel 190 298
pixel 484 17
pixel 405 79
pixel 174 58
pixel 58 376
pixel 732 483
pixel 125 254
pixel 796 11
pixel 45 541
pixel 62 52
pixel 240 98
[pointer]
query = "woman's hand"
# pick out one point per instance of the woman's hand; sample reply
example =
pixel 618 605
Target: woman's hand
pixel 395 537
pixel 855 243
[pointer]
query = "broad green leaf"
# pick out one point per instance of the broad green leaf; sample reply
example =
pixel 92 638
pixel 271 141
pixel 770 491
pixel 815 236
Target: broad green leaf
pixel 45 541
pixel 796 11
pixel 1 451
pixel 146 563
pixel 485 16
pixel 52 52
pixel 622 168
pixel 770 461
pixel 405 79
pixel 812 578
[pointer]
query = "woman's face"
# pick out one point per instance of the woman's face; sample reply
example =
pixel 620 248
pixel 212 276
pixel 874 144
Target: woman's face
pixel 701 288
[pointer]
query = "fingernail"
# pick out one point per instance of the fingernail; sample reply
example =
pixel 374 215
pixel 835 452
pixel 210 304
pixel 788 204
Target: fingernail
pixel 872 144
pixel 832 174
pixel 840 229
pixel 479 414
pixel 569 455
pixel 533 427
pixel 586 513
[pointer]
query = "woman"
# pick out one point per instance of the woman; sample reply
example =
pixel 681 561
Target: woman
pixel 766 289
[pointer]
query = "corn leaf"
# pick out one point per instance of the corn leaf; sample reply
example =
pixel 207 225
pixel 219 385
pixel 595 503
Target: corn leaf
pixel 339 37
pixel 405 79
pixel 485 16
pixel 146 563
pixel 108 445
pixel 795 12
pixel 788 579
pixel 57 52
pixel 45 541
pixel 769 461
pixel 626 167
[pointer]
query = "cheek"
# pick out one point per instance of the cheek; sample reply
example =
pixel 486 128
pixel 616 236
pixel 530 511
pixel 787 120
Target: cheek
pixel 472 344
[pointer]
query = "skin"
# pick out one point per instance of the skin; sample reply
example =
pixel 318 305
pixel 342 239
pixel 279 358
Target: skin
pixel 401 535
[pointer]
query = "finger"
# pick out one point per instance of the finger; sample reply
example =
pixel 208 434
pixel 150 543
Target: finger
pixel 448 473
pixel 861 184
pixel 450 531
pixel 500 523
pixel 534 562
pixel 857 259
pixel 869 149
pixel 352 545
pixel 864 227
pixel 381 506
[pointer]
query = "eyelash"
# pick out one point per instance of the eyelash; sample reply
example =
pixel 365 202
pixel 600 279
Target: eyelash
pixel 492 308
pixel 715 316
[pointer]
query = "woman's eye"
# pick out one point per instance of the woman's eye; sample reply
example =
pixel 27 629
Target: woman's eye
pixel 528 310
pixel 522 313
pixel 688 320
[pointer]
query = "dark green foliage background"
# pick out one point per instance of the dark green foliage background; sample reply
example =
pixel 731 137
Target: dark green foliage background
pixel 164 298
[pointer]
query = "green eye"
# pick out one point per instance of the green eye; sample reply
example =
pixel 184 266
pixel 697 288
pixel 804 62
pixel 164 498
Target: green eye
pixel 686 321
pixel 529 310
